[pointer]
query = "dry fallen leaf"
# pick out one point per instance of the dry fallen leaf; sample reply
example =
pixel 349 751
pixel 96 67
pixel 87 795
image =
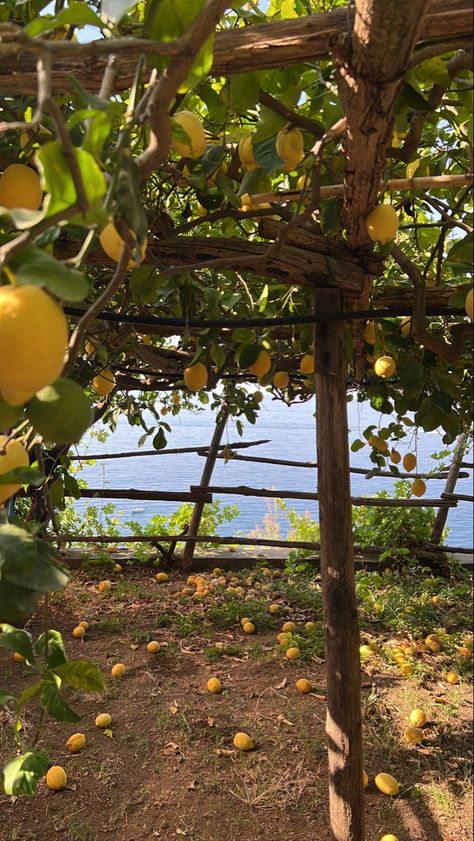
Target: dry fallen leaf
pixel 171 749
pixel 283 720
pixel 211 721
pixel 107 732
pixel 174 707
pixel 282 684
pixel 224 752
pixel 191 785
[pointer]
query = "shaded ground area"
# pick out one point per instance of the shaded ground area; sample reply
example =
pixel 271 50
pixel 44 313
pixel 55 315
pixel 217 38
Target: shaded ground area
pixel 169 769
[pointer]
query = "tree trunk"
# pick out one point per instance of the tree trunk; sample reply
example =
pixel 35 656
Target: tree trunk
pixel 344 721
pixel 449 487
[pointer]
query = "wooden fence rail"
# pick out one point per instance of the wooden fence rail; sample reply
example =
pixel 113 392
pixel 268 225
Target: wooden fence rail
pixel 370 501
pixel 134 493
pixel 168 452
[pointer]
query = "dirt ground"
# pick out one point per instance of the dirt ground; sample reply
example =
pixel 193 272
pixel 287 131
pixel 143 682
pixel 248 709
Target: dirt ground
pixel 169 769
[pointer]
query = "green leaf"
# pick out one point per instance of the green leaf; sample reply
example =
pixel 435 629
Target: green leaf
pixel 412 378
pixel 244 91
pixel 414 99
pixel 14 639
pixel 6 696
pixel 129 201
pixel 81 674
pixel 266 155
pixel 23 476
pixel 50 645
pixel 33 266
pixel 247 355
pixel 59 183
pixel 461 252
pixel 23 218
pixel 115 10
pixel 145 282
pixel 21 775
pixel 26 696
pixel 77 14
pixel 27 562
pixel 52 700
pixel 357 445
pixel 17 602
pixel 212 159
pixel 100 126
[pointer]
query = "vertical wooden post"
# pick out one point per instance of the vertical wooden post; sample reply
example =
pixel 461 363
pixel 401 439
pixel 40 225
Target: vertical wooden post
pixel 344 720
pixel 193 530
pixel 449 487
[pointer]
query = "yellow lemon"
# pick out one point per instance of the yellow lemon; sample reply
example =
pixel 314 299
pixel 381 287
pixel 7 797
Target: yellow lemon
pixel 76 742
pixel 307 364
pixel 389 837
pixel 18 658
pixel 195 377
pixel 56 778
pixel 33 341
pixel 274 608
pixel 290 147
pixel 418 487
pixel 113 244
pixel 387 784
pixel 104 382
pixel 413 735
pixel 195 145
pixel 452 678
pixel 406 669
pixel 12 455
pixel 370 333
pixel 405 325
pixel 382 223
pixel 365 779
pixel 117 568
pixel 281 379
pixel 262 365
pixel 292 653
pixel 310 626
pixel 79 631
pixel 118 670
pixel 469 304
pixel 104 586
pixel 248 628
pixel 242 741
pixel 409 462
pixel 103 720
pixel 161 577
pixel 395 457
pixel 20 186
pixel 257 396
pixel 214 685
pixel 153 647
pixel 84 624
pixel 246 155
pixel 303 685
pixel 288 627
pixel 418 717
pixel 385 366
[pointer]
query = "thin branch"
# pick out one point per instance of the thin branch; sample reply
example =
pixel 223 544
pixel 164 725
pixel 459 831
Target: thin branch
pixel 43 71
pixel 10 248
pixel 305 123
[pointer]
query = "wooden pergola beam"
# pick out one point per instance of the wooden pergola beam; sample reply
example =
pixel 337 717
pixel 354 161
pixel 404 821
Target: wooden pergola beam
pixel 251 48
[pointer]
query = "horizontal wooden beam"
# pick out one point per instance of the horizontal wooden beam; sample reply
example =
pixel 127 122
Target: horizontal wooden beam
pixel 171 451
pixel 369 501
pixel 133 493
pixel 248 49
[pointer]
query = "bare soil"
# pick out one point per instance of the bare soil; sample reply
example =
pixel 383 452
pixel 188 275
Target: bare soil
pixel 170 771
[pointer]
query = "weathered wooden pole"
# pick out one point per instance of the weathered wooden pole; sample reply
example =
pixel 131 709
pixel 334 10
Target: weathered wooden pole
pixel 344 720
pixel 212 454
pixel 450 485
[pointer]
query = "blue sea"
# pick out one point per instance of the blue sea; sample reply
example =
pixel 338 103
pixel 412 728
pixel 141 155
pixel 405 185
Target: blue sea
pixel 291 434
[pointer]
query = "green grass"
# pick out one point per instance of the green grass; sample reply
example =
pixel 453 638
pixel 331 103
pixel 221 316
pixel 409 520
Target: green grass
pixel 214 653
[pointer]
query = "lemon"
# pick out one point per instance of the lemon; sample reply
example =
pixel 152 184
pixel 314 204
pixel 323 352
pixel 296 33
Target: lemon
pixel 283 639
pixel 382 223
pixel 370 333
pixel 418 487
pixel 433 644
pixel 292 653
pixel 76 742
pixel 395 457
pixel 12 455
pixel 195 377
pixel 409 462
pixel 104 382
pixel 257 396
pixel 307 364
pixel 290 147
pixel 79 631
pixel 118 670
pixel 18 658
pixel 385 366
pixel 242 741
pixel 262 365
pixel 113 244
pixel 405 325
pixel 413 735
pixel 310 626
pixel 195 146
pixel 303 685
pixel 84 624
pixel 365 779
pixel 417 717
pixel 153 647
pixel 248 628
pixel 274 608
pixel 288 627
pixel 33 341
pixel 20 186
pixel 406 669
pixel 469 304
pixel 246 155
pixel 389 837
pixel 56 778
pixel 104 586
pixel 452 678
pixel 214 685
pixel 387 784
pixel 365 652
pixel 103 720
pixel 61 412
pixel 281 379
pixel 8 415
pixel 161 577
pixel 117 568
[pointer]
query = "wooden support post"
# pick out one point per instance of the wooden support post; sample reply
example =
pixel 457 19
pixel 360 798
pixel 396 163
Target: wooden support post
pixel 205 479
pixel 449 487
pixel 344 720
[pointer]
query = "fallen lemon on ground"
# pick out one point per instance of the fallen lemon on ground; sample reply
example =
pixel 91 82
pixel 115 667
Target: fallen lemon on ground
pixel 103 720
pixel 292 653
pixel 214 685
pixel 242 741
pixel 365 779
pixel 248 628
pixel 413 735
pixel 33 341
pixel 288 627
pixel 387 784
pixel 76 742
pixel 56 778
pixel 79 631
pixel 418 717
pixel 104 586
pixel 303 685
pixel 161 577
pixel 452 677
pixel 118 670
pixel 153 647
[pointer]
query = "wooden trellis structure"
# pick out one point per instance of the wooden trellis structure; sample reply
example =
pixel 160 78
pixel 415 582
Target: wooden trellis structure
pixel 371 68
